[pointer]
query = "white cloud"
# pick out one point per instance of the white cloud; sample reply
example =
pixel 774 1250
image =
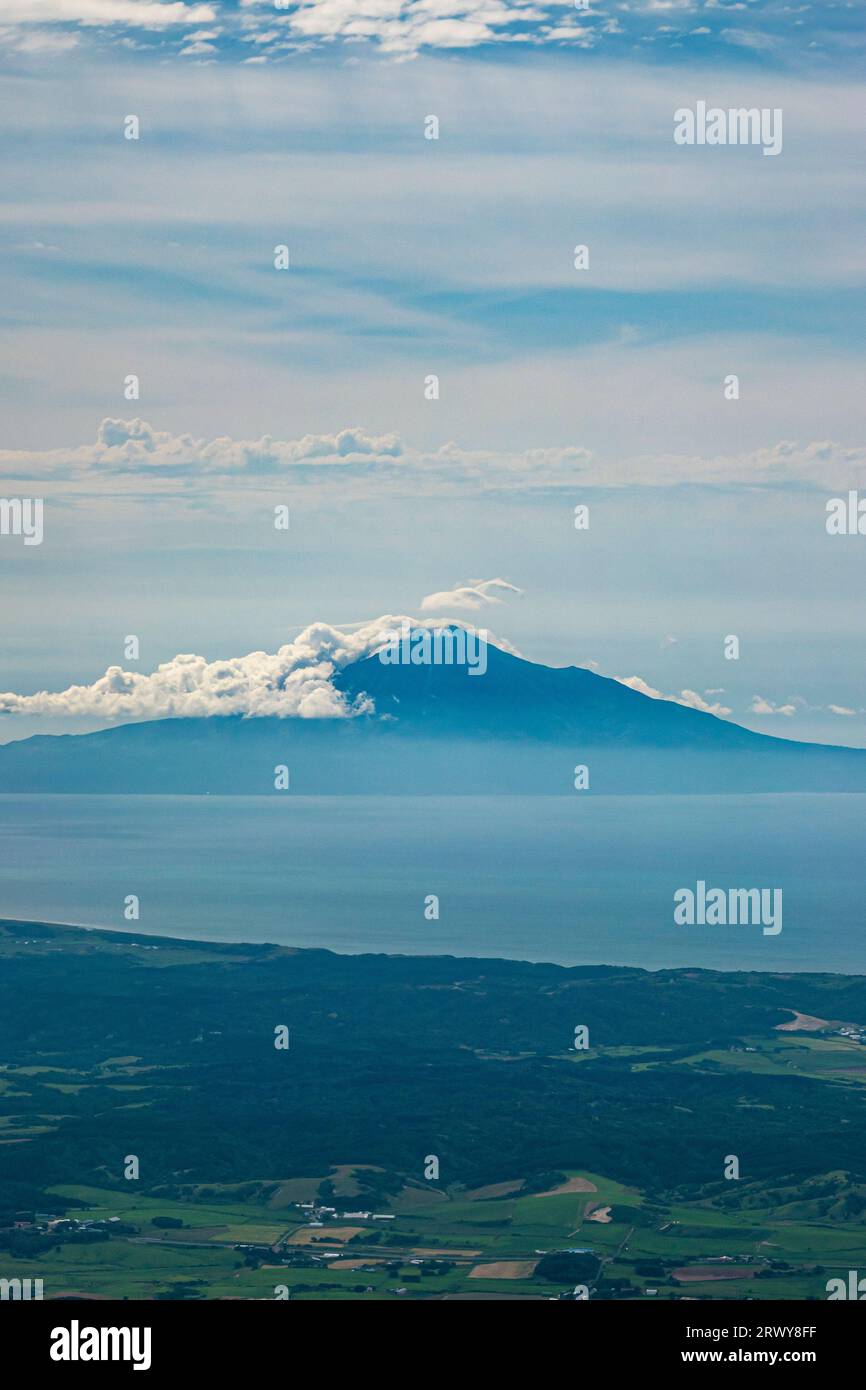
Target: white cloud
pixel 695 701
pixel 841 709
pixel 744 38
pixel 638 683
pixel 133 446
pixel 142 14
pixel 137 449
pixel 296 681
pixel 45 41
pixel 478 593
pixel 404 28
pixel 689 698
pixel 571 33
pixel 761 706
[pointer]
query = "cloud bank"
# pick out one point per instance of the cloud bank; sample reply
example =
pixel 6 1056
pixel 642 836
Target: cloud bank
pixel 137 450
pixel 294 682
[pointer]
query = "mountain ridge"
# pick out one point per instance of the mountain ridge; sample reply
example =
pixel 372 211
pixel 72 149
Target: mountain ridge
pixel 519 728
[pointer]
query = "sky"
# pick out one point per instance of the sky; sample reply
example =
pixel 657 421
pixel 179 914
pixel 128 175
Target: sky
pixel 262 126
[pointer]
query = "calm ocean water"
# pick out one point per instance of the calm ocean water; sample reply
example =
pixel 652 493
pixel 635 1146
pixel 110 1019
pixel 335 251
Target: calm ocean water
pixel 578 880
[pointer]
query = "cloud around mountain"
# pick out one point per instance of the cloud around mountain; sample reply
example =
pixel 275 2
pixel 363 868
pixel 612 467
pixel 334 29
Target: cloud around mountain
pixel 478 593
pixel 690 698
pixel 295 681
pixel 298 680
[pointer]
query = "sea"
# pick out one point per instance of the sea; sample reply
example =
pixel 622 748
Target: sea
pixel 577 880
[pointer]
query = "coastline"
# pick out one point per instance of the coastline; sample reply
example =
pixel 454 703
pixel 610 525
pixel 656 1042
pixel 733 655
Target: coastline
pixel 122 936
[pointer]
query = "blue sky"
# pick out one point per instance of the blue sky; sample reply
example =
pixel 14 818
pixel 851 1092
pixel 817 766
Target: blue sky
pixel 453 257
pixel 763 31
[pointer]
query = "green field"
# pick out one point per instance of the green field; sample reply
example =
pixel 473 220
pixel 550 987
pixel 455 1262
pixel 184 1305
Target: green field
pixel 167 1055
pixel 792 1260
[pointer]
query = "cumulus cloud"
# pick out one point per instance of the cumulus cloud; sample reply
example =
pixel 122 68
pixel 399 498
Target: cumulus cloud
pixel 399 27
pixel 638 683
pixel 295 681
pixel 690 698
pixel 841 709
pixel 137 450
pixel 134 446
pixel 402 27
pixel 696 701
pixel 478 593
pixel 761 706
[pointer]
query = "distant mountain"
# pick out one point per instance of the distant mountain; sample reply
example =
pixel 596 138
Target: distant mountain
pixel 518 728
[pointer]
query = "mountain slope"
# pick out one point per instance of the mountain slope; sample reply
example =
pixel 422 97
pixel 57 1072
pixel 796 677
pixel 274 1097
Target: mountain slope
pixel 517 699
pixel 518 728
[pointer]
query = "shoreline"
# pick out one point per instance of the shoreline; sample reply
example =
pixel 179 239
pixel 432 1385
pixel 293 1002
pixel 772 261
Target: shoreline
pixel 121 936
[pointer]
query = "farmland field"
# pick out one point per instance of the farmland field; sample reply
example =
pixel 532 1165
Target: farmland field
pixel 171 1151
